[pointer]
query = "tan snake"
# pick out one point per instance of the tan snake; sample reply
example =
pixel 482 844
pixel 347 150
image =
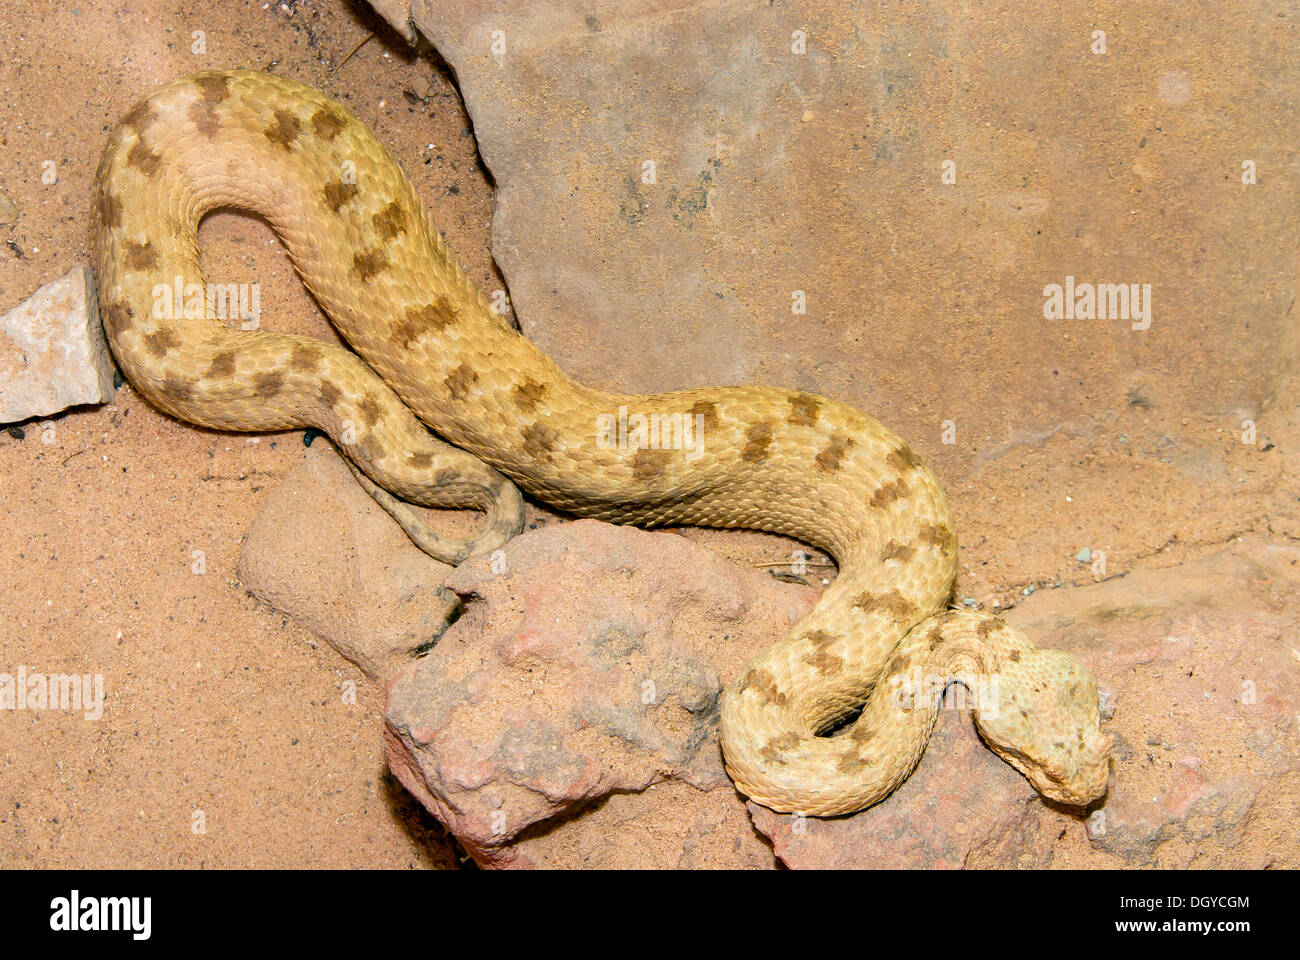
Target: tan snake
pixel 434 356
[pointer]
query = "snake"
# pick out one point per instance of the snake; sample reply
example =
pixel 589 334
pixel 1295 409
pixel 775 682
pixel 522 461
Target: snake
pixel 440 401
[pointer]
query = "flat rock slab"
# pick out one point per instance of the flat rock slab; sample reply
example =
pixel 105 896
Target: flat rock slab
pixel 323 552
pixel 710 169
pixel 1200 666
pixel 569 718
pixel 52 350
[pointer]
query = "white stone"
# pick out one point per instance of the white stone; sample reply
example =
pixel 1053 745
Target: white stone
pixel 52 350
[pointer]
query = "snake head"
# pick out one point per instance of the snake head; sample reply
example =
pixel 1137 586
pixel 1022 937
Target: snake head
pixel 1046 723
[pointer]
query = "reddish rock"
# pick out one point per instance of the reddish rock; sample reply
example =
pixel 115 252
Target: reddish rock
pixel 569 718
pixel 1203 662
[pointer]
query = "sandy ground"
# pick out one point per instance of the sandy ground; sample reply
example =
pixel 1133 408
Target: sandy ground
pixel 231 736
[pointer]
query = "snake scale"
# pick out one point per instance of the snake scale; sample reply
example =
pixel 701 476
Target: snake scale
pixel 432 356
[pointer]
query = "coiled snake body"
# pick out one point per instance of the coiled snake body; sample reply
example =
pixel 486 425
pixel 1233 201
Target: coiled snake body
pixel 434 355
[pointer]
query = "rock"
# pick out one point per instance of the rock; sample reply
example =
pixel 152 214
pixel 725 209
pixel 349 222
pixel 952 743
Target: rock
pixel 759 191
pixel 8 212
pixel 1204 686
pixel 1205 672
pixel 569 718
pixel 323 552
pixel 52 350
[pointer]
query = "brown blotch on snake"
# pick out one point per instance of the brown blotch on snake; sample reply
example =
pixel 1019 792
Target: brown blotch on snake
pixel 804 409
pixel 304 358
pixel 139 256
pixel 178 388
pixel 110 209
pixel 339 193
pixel 118 318
pixel 893 603
pixel 897 551
pixel 371 447
pixel 390 221
pixel 285 130
pixel 204 118
pixel 774 750
pixel 771 755
pixel 222 366
pixel 140 117
pixel 460 380
pixel 829 458
pixel 757 440
pixel 327 123
pixel 936 535
pixel 528 394
pixel 820 639
pixel 369 410
pixel 143 159
pixel 267 385
pixel 648 464
pixel 330 394
pixel 888 492
pixel 848 763
pixel 706 409
pixel 764 684
pixel 369 264
pixel 539 440
pixel 823 662
pixel 214 88
pixel 417 321
pixel 159 342
pixel 902 458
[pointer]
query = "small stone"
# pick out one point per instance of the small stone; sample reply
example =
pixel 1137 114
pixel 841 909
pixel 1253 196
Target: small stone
pixel 323 552
pixel 567 719
pixel 1084 555
pixel 52 350
pixel 8 212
